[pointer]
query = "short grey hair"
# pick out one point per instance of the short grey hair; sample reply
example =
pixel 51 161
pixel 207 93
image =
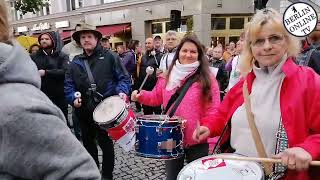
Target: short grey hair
pixel 171 33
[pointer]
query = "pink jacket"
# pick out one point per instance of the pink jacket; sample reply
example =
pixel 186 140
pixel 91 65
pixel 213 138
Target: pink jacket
pixel 191 107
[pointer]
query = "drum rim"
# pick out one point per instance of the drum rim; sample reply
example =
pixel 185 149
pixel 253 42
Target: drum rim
pixel 236 154
pixel 113 119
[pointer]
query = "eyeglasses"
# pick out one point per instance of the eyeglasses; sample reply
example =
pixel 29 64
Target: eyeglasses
pixel 273 39
pixel 172 39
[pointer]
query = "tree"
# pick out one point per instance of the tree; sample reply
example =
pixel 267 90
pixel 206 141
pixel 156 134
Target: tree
pixel 33 6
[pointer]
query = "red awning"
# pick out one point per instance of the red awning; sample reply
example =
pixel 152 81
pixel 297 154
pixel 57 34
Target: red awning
pixel 65 34
pixel 112 29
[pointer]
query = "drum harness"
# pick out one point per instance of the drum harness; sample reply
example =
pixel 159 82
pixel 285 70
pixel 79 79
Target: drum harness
pixel 97 97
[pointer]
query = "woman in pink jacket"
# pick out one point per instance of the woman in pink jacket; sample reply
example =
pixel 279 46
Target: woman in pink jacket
pixel 200 101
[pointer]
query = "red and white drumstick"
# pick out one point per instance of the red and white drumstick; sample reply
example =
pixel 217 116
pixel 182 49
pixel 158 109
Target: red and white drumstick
pixel 149 71
pixel 77 95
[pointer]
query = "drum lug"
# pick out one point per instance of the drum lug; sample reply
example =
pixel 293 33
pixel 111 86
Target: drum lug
pixel 159 131
pixel 159 146
pixel 137 129
pixel 136 145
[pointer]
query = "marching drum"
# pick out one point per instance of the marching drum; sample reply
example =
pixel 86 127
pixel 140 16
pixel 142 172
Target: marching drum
pixel 159 137
pixel 209 167
pixel 115 116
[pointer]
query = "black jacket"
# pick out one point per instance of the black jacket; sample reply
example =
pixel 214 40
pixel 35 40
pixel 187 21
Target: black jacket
pixel 153 61
pixel 55 65
pixel 222 75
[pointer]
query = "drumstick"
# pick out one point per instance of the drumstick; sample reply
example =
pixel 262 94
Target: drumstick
pixel 256 159
pixel 149 71
pixel 77 95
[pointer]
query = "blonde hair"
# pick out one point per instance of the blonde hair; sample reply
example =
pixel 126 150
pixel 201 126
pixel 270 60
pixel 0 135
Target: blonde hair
pixel 252 29
pixel 4 23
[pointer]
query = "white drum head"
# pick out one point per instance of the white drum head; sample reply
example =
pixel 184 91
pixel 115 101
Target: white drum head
pixel 108 110
pixel 208 168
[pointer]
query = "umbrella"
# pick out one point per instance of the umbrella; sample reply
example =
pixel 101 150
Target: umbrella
pixel 27 41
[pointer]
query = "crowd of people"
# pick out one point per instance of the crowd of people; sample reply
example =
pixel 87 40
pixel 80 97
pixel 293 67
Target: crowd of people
pixel 266 61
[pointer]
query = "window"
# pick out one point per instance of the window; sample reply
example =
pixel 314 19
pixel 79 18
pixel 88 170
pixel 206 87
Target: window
pixel 217 40
pixel 168 26
pixel 234 39
pixel 218 23
pixel 236 23
pixel 156 28
pixel 74 4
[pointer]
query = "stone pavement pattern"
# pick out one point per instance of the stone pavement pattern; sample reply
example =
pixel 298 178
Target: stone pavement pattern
pixel 128 166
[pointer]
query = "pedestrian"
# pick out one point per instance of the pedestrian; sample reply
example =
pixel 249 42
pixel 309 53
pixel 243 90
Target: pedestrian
pixel 150 59
pixel 109 78
pixel 284 102
pixel 52 64
pixel 35 140
pixel 200 101
pixel 171 45
pixel 158 44
pixel 105 43
pixel 34 48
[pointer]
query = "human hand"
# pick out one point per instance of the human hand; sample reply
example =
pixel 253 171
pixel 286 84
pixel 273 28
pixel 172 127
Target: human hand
pixel 135 95
pixel 77 102
pixel 201 133
pixel 42 72
pixel 295 158
pixel 158 72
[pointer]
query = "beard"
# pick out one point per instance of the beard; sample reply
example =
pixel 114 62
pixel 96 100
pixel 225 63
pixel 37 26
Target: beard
pixel 46 46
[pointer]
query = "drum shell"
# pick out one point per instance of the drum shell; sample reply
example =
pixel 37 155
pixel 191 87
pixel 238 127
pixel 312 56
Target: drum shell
pixel 152 132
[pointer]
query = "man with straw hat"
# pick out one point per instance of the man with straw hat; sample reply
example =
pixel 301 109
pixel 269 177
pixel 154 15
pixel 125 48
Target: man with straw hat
pixel 108 78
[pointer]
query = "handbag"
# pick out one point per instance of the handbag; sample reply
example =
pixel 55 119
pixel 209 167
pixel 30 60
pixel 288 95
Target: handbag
pixel 94 97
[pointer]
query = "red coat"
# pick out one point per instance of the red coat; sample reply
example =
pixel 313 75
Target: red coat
pixel 300 110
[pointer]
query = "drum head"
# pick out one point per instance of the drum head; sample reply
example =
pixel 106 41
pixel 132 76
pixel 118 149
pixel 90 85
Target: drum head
pixel 208 168
pixel 107 111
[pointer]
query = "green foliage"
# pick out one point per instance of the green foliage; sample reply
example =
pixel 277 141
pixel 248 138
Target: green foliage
pixel 26 6
pixel 189 25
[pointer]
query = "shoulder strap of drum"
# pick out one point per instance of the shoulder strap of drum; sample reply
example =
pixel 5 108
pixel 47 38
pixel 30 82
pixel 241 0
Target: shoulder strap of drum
pixel 177 97
pixel 93 86
pixel 90 76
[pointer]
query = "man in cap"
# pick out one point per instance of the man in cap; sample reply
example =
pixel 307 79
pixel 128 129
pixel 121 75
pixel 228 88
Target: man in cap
pixel 158 44
pixel 105 42
pixel 110 78
pixel 52 64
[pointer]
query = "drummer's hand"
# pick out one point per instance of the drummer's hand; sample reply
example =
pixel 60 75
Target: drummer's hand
pixel 158 72
pixel 201 133
pixel 135 95
pixel 77 103
pixel 295 158
pixel 123 96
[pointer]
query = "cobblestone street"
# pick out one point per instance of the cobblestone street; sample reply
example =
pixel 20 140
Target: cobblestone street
pixel 128 166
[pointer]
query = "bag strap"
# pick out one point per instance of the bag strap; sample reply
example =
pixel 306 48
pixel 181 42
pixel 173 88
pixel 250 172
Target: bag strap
pixel 90 76
pixel 177 97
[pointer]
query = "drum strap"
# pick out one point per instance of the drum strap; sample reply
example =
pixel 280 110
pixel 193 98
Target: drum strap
pixel 93 86
pixel 177 97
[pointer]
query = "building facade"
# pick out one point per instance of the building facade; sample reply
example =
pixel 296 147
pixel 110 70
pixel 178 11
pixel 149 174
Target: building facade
pixel 211 20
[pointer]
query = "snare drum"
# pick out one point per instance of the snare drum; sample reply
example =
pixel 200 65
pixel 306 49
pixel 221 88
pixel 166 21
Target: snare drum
pixel 113 115
pixel 111 112
pixel 159 137
pixel 209 167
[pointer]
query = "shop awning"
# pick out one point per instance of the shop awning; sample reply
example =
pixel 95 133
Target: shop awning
pixel 65 35
pixel 109 30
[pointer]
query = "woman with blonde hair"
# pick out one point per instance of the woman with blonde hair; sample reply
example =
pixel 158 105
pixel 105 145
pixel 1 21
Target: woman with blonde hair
pixel 35 141
pixel 285 102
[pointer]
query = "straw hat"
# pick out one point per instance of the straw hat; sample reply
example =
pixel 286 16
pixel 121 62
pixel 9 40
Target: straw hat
pixel 86 28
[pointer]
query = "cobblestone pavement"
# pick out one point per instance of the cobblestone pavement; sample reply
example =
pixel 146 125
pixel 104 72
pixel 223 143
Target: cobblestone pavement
pixel 128 166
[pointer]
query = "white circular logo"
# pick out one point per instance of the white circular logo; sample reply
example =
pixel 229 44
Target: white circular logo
pixel 300 19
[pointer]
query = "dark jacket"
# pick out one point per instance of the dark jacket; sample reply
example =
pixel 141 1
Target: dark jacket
pixel 222 75
pixel 109 75
pixel 55 65
pixel 153 61
pixel 129 61
pixel 313 53
pixel 35 140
